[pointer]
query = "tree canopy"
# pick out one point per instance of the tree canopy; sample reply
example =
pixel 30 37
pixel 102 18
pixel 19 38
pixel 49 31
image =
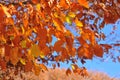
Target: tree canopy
pixel 28 29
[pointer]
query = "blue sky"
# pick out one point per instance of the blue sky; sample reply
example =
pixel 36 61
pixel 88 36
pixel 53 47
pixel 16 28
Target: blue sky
pixel 97 64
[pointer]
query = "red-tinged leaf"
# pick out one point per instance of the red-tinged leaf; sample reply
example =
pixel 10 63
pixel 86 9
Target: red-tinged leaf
pixel 72 51
pixel 69 41
pixel 68 72
pixel 3 64
pixel 64 54
pixel 98 50
pixel 28 66
pixel 42 33
pixel 2 14
pixel 58 45
pixel 81 40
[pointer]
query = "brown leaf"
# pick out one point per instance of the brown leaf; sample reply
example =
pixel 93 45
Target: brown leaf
pixel 68 72
pixel 28 67
pixel 98 50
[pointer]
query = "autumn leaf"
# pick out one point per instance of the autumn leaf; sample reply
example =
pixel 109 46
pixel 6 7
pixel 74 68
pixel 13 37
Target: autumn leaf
pixel 68 72
pixel 57 22
pixel 36 69
pixel 2 13
pixel 78 23
pixel 64 4
pixel 28 66
pixel 43 67
pixel 35 51
pixel 68 20
pixel 23 61
pixel 74 66
pixel 98 50
pixel 5 9
pixel 14 55
pixel 58 45
pixel 3 64
pixel 84 3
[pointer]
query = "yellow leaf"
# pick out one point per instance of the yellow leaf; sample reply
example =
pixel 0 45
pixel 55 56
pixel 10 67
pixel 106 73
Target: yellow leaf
pixel 42 55
pixel 84 3
pixel 68 20
pixel 56 14
pixel 74 66
pixel 38 6
pixel 78 23
pixel 71 14
pixel 23 30
pixel 35 51
pixel 22 61
pixel 23 44
pixel 58 23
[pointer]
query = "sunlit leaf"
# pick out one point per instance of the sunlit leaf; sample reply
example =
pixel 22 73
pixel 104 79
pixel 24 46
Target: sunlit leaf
pixel 84 3
pixel 78 23
pixel 23 44
pixel 38 6
pixel 74 66
pixel 57 22
pixel 68 20
pixel 71 14
pixel 23 61
pixel 64 4
pixel 5 9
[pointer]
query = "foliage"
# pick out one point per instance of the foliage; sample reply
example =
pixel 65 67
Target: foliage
pixel 27 29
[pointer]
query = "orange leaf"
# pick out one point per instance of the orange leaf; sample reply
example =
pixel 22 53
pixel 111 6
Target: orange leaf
pixel 14 55
pixel 98 50
pixel 83 3
pixel 37 69
pixel 57 46
pixel 68 71
pixel 43 67
pixel 64 4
